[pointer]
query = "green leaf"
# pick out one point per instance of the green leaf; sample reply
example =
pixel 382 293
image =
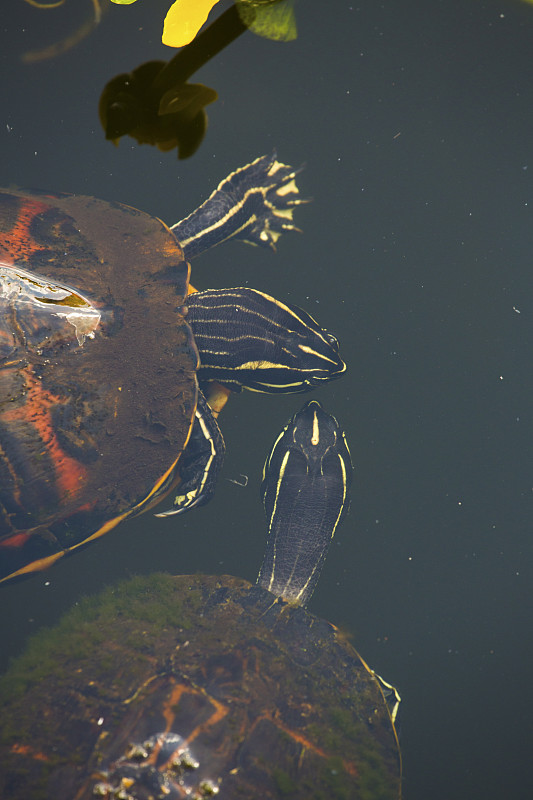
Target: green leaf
pixel 271 19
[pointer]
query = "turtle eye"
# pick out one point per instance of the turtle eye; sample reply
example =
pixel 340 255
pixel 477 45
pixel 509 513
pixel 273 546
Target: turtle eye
pixel 333 341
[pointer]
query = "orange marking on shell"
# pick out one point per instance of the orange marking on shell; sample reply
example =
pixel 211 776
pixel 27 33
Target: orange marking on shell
pixel 169 716
pixel 306 744
pixel 18 242
pixel 17 495
pixel 173 700
pixel 70 474
pixel 17 540
pixel 220 712
pixel 26 750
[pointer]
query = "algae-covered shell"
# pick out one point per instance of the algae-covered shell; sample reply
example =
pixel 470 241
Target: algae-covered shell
pixel 190 686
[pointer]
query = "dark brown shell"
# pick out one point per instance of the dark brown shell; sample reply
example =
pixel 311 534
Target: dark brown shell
pixel 98 382
pixel 176 686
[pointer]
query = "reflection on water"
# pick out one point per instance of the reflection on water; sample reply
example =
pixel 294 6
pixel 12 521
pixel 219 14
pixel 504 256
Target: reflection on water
pixel 42 306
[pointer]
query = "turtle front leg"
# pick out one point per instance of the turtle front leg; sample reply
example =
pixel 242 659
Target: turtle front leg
pixel 254 203
pixel 200 463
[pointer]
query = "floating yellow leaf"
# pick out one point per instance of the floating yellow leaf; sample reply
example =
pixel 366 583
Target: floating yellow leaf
pixel 184 19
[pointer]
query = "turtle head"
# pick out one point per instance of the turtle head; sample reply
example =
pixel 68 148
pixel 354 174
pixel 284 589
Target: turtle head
pixel 248 339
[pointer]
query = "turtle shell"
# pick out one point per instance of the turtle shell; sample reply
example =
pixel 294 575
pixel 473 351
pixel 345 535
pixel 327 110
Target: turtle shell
pixel 97 370
pixel 190 686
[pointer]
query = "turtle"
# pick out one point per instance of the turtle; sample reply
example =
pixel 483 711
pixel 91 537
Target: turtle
pixel 103 345
pixel 199 685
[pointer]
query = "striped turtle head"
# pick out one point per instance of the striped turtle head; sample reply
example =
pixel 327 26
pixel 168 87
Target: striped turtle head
pixel 248 339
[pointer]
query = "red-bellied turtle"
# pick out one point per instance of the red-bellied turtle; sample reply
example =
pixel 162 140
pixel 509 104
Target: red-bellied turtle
pixel 102 343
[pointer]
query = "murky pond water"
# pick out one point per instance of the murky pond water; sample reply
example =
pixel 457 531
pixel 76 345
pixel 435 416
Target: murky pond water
pixel 414 124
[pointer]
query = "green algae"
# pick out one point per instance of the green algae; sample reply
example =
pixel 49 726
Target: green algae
pixel 151 602
pixel 129 646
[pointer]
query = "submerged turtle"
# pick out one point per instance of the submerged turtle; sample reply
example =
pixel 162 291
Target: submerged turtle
pixel 100 344
pixel 190 686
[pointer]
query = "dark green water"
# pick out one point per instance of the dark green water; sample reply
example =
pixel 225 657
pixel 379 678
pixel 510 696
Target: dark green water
pixel 415 123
